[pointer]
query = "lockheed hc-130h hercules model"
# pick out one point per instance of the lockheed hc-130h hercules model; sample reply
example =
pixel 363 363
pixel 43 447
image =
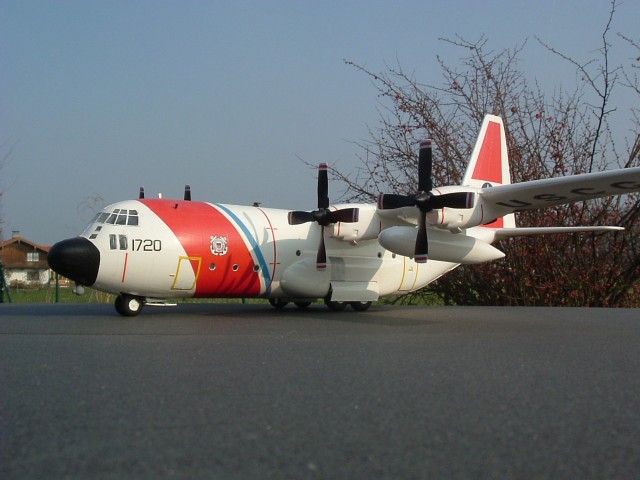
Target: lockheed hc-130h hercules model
pixel 150 251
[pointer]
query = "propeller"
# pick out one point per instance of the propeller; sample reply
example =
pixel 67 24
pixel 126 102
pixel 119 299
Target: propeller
pixel 323 216
pixel 425 200
pixel 141 194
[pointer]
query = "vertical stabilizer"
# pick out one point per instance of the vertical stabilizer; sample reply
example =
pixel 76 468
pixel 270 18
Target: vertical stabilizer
pixel 489 163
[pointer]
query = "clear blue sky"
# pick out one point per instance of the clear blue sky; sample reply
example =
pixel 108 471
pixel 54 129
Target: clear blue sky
pixel 100 97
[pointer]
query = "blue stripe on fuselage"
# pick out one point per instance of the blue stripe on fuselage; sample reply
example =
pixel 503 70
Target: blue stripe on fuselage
pixel 254 245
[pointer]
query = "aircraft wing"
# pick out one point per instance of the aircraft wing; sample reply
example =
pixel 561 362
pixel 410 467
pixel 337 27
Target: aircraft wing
pixel 517 197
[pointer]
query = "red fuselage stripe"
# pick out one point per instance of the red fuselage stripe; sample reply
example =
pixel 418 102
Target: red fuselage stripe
pixel 229 269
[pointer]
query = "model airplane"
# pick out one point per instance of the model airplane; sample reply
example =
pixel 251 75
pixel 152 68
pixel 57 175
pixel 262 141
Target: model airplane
pixel 150 251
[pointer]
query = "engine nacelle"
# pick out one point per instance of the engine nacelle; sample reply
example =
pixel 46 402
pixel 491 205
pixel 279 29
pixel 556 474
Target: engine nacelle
pixel 443 246
pixel 367 227
pixel 456 219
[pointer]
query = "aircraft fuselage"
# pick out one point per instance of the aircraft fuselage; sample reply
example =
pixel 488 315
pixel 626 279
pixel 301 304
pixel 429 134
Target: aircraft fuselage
pixel 162 248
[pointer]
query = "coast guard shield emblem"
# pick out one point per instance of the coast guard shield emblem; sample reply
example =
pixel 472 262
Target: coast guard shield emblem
pixel 219 245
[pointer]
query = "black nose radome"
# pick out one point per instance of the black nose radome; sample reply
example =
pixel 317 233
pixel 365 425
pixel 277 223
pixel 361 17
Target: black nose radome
pixel 77 259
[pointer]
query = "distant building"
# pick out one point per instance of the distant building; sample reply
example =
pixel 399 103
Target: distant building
pixel 25 262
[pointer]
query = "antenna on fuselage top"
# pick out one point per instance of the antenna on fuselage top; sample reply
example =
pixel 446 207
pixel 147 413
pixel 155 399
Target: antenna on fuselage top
pixel 141 192
pixel 187 193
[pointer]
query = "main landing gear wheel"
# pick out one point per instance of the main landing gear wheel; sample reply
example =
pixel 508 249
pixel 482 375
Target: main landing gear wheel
pixel 335 306
pixel 302 305
pixel 278 303
pixel 360 306
pixel 128 305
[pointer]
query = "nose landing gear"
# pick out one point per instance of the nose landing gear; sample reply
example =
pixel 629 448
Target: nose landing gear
pixel 128 305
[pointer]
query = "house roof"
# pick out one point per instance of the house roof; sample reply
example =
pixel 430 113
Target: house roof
pixel 21 240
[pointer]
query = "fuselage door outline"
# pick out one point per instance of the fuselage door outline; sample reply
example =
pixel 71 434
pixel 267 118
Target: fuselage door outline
pixel 187 273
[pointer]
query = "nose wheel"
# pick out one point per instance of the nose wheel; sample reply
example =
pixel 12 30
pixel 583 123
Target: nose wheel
pixel 128 305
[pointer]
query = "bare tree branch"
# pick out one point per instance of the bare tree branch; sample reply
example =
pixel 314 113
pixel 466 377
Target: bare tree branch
pixel 547 136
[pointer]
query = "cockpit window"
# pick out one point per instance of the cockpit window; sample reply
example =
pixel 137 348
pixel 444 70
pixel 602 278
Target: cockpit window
pixel 116 241
pixel 119 217
pixel 88 227
pixel 133 217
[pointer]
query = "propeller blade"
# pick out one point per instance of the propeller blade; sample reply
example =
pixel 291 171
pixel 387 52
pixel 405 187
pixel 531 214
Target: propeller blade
pixel 323 216
pixel 298 217
pixel 321 259
pixel 187 193
pixel 141 195
pixel 421 253
pixel 425 166
pixel 346 215
pixel 452 200
pixel 388 201
pixel 425 200
pixel 323 186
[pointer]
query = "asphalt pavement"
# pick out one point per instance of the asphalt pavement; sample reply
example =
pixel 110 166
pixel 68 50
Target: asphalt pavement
pixel 230 391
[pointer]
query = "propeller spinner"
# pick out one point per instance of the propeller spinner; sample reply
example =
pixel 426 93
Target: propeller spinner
pixel 323 216
pixel 425 200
